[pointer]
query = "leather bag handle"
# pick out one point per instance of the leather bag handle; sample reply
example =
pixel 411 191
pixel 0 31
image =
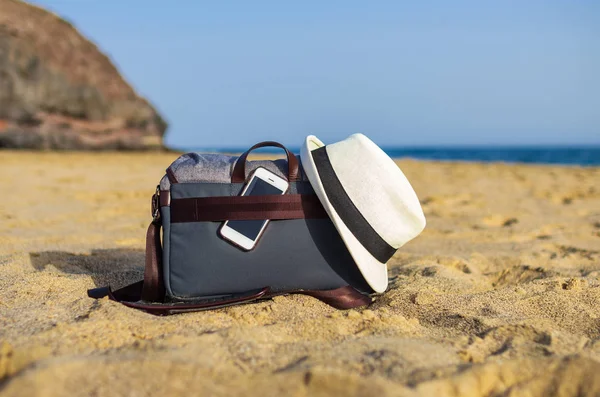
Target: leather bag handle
pixel 239 170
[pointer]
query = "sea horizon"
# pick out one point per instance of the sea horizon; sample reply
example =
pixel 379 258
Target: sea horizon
pixel 582 155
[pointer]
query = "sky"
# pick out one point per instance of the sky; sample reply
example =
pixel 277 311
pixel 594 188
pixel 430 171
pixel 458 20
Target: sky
pixel 419 73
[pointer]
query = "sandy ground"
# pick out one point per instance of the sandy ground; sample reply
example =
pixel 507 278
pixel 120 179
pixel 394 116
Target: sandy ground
pixel 499 296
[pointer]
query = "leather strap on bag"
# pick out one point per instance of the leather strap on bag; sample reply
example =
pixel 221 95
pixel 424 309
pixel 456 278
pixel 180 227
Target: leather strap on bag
pixel 239 170
pixel 341 298
pixel 232 208
pixel 153 286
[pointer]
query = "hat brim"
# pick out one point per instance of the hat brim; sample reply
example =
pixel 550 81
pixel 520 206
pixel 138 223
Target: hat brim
pixel 374 272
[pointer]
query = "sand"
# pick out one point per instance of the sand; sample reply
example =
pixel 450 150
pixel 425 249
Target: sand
pixel 499 295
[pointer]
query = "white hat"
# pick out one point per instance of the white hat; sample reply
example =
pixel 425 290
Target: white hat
pixel 368 198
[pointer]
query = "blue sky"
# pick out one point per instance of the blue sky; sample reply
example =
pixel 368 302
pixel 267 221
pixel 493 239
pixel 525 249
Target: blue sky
pixel 230 73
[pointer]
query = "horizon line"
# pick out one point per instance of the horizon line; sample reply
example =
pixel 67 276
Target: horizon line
pixel 595 146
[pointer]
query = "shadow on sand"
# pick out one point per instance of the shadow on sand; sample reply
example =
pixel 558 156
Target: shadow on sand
pixel 114 267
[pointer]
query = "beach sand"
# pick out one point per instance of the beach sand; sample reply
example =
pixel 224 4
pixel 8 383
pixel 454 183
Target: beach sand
pixel 500 295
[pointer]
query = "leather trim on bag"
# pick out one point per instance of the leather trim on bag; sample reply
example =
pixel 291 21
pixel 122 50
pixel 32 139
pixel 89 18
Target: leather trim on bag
pixel 165 198
pixel 154 286
pixel 171 176
pixel 342 298
pixel 273 207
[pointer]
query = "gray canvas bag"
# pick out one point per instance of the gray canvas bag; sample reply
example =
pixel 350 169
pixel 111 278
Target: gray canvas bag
pixel 193 268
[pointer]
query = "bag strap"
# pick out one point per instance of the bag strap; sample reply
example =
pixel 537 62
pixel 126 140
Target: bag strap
pixel 233 208
pixel 149 294
pixel 239 170
pixel 153 286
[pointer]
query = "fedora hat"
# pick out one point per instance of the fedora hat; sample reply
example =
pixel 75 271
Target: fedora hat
pixel 368 198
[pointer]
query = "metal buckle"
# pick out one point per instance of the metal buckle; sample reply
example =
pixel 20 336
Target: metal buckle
pixel 156 204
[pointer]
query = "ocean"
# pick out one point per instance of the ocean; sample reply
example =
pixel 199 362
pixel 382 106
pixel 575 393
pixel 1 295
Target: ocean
pixel 582 156
pixel 586 156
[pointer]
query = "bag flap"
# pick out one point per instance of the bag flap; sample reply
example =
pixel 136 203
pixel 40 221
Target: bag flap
pixel 216 168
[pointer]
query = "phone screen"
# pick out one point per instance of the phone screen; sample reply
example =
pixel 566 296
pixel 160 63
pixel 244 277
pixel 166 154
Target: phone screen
pixel 251 229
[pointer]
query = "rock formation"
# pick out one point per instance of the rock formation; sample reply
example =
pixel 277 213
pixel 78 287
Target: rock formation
pixel 58 91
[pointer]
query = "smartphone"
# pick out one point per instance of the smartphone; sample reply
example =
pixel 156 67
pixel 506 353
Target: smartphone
pixel 245 234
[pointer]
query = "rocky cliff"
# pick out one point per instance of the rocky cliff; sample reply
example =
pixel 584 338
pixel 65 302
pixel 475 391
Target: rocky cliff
pixel 59 91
